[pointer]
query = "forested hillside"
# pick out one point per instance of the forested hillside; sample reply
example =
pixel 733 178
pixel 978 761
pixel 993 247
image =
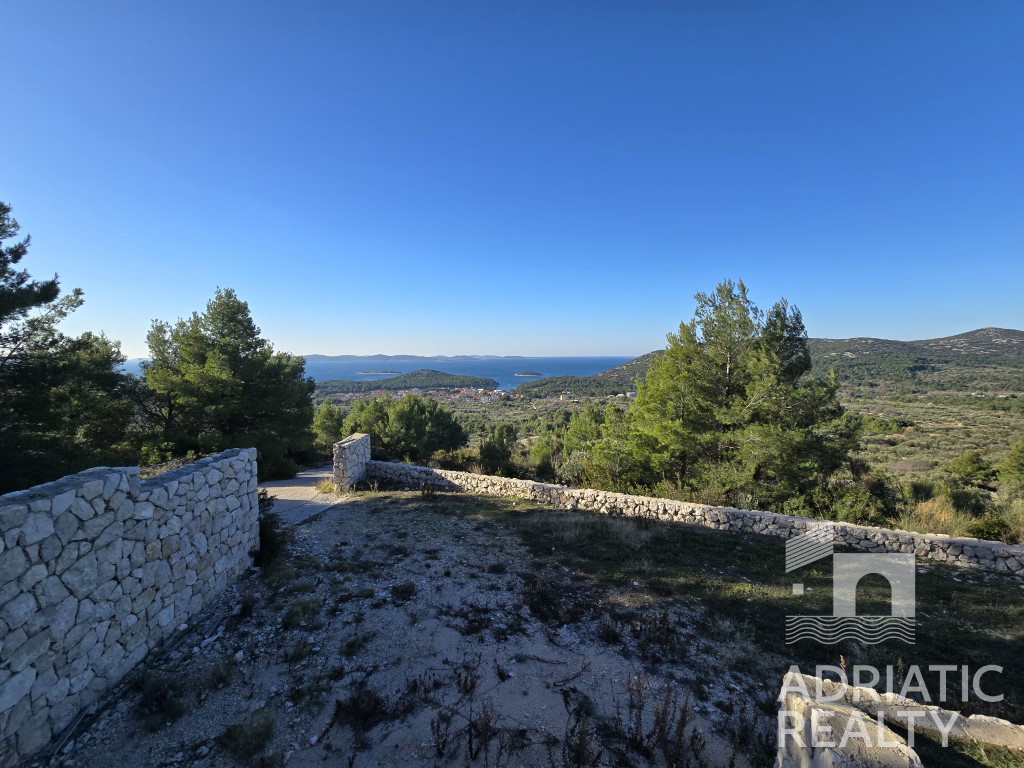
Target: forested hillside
pixel 421 379
pixel 984 360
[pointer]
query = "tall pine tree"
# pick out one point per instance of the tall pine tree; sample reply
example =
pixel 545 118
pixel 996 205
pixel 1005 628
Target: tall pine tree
pixel 215 383
pixel 730 412
pixel 64 402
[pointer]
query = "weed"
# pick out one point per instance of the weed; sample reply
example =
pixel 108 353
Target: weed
pixel 354 645
pixel 299 611
pixel 310 693
pixel 441 730
pixel 579 748
pixel 608 630
pixel 325 486
pixel 299 651
pixel 467 677
pixel 361 710
pixel 247 739
pixel 403 593
pixel 222 672
pixel 481 731
pixel 159 699
pixel 273 540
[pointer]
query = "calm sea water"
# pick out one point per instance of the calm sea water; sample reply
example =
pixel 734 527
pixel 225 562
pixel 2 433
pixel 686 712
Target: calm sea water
pixel 503 370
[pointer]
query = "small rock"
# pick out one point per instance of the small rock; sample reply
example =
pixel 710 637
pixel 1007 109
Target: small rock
pixel 182 627
pixel 240 655
pixel 203 751
pixel 313 739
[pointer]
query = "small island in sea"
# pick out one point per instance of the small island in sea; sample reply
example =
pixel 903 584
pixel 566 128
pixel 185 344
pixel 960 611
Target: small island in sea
pixel 529 373
pixel 377 373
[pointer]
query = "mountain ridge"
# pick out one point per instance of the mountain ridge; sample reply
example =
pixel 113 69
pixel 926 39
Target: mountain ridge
pixel 939 363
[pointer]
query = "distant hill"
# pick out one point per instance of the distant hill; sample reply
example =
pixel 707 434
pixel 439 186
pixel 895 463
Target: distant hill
pixel 421 379
pixel 620 379
pixel 406 358
pixel 987 359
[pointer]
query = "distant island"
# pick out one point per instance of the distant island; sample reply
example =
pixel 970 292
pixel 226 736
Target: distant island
pixel 377 373
pixel 422 379
pixel 529 373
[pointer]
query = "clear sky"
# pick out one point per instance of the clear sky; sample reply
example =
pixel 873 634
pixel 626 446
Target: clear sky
pixel 519 177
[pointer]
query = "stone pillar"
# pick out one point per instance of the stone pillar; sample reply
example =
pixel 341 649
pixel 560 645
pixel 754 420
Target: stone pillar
pixel 350 458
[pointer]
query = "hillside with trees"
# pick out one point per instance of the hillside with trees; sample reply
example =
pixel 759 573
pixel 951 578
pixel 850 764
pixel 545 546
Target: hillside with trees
pixel 985 360
pixel 421 379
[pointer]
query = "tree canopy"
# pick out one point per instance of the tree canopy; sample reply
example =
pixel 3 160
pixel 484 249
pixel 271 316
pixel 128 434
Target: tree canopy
pixel 410 428
pixel 215 383
pixel 729 414
pixel 64 402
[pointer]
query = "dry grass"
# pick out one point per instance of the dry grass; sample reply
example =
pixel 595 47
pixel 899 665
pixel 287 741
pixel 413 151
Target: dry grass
pixel 325 486
pixel 935 516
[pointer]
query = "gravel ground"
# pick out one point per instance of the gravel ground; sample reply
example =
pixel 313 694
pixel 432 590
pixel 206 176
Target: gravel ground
pixel 395 632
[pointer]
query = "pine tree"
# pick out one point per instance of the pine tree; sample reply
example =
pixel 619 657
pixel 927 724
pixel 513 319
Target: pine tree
pixel 215 383
pixel 730 412
pixel 64 402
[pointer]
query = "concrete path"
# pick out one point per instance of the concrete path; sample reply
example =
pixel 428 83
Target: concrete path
pixel 297 499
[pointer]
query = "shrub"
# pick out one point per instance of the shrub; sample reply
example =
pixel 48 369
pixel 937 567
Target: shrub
pixel 273 540
pixel 159 699
pixel 937 515
pixel 247 739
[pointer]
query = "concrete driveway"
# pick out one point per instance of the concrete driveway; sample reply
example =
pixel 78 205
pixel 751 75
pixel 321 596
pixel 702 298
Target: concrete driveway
pixel 297 499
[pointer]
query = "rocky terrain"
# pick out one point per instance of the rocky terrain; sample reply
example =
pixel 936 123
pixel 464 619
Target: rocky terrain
pixel 402 630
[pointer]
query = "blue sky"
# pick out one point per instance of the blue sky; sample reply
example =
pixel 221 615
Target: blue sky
pixel 519 178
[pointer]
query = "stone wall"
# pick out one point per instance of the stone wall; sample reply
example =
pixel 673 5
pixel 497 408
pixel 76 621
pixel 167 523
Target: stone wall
pixel 350 457
pixel 97 568
pixel 807 701
pixel 972 553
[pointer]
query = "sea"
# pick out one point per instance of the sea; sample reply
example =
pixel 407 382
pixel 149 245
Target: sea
pixel 501 369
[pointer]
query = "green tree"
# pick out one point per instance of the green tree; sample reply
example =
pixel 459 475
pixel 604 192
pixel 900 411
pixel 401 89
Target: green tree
pixel 546 455
pixel 410 428
pixel 328 427
pixel 1011 466
pixel 64 403
pixel 215 383
pixel 730 413
pixel 971 468
pixel 497 449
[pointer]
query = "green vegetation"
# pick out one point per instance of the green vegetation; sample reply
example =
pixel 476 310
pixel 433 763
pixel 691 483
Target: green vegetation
pixel 410 428
pixel 328 427
pixel 620 379
pixel 214 383
pixel 64 403
pixel 422 379
pixel 247 739
pixel 729 414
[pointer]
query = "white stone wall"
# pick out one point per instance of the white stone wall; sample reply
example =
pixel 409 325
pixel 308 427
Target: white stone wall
pixel 972 553
pixel 97 568
pixel 350 458
pixel 836 703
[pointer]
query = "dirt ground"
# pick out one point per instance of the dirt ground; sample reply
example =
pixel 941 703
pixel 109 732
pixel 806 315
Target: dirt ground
pixel 398 631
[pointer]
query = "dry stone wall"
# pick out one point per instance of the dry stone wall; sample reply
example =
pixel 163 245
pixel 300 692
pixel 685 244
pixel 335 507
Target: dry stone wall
pixel 971 553
pixel 350 457
pixel 97 568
